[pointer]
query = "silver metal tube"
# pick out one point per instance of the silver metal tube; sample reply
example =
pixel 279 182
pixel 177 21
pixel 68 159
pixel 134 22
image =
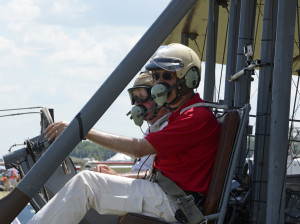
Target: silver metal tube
pixel 234 16
pixel 263 111
pixel 242 86
pixel 252 66
pixel 281 94
pixel 246 33
pixel 211 50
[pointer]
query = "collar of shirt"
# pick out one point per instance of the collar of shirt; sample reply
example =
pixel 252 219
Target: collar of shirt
pixel 196 99
pixel 158 124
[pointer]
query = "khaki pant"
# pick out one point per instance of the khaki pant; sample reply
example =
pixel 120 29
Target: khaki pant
pixel 107 194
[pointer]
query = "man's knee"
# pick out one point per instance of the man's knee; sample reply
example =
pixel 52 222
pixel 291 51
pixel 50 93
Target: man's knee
pixel 87 176
pixel 84 175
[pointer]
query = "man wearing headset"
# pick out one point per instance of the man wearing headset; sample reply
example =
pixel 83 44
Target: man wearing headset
pixel 185 151
pixel 144 109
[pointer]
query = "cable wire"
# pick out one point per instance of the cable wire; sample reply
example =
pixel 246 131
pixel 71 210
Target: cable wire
pixel 8 115
pixel 24 108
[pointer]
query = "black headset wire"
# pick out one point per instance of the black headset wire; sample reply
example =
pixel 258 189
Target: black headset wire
pixel 138 174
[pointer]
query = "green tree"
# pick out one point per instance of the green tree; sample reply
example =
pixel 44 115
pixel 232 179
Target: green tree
pixel 88 149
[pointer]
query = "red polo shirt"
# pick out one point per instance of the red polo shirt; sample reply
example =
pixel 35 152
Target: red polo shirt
pixel 186 146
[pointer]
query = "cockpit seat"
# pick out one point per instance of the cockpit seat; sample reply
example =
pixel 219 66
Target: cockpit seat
pixel 233 125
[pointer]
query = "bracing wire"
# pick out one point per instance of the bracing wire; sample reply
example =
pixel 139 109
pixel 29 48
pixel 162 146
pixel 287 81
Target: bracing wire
pixel 9 115
pixel 293 149
pixel 201 59
pixel 225 44
pixel 298 103
pixel 197 46
pixel 24 108
pixel 296 94
pixel 294 112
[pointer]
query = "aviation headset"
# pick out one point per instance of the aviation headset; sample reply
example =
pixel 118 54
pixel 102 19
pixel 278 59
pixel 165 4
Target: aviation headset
pixel 139 112
pixel 161 91
pixel 175 58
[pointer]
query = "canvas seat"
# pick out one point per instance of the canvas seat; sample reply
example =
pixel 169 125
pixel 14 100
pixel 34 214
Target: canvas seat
pixel 233 125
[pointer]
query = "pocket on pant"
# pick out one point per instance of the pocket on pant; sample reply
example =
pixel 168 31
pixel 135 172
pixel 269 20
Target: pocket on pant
pixel 119 205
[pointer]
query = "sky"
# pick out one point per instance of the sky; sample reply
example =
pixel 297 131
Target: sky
pixel 56 54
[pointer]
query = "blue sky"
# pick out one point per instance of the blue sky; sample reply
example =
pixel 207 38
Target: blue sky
pixel 56 54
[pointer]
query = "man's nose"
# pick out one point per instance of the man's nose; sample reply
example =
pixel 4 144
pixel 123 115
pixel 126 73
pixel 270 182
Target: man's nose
pixel 160 79
pixel 137 104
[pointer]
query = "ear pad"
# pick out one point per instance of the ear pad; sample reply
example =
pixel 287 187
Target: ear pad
pixel 137 113
pixel 192 79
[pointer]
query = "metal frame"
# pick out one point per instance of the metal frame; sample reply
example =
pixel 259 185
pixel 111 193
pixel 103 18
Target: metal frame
pixel 263 112
pixel 244 115
pixel 280 108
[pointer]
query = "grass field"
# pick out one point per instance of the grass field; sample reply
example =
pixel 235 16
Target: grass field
pixel 3 193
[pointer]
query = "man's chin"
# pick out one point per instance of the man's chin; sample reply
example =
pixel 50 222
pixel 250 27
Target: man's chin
pixel 147 118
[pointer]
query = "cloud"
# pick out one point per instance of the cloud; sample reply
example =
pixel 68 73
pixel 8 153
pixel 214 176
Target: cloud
pixel 57 54
pixel 68 7
pixel 19 10
pixel 6 44
pixel 80 51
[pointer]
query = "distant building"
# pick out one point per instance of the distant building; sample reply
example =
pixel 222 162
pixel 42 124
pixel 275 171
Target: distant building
pixel 121 158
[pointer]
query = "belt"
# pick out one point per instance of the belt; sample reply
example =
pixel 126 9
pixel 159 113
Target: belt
pixel 188 211
pixel 199 198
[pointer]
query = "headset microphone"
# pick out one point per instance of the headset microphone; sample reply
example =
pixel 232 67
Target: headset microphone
pixel 159 93
pixel 138 114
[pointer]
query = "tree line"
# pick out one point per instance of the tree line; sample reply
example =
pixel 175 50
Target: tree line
pixel 88 149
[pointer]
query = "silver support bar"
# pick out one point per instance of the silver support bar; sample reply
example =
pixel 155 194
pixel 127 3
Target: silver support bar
pixel 211 51
pixel 263 111
pixel 250 67
pixel 280 108
pixel 242 86
pixel 233 30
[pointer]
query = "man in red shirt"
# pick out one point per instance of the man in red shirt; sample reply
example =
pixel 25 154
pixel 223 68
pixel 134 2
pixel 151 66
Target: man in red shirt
pixel 185 150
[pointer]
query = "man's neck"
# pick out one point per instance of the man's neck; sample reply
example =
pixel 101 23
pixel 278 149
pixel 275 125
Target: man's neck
pixel 160 113
pixel 184 99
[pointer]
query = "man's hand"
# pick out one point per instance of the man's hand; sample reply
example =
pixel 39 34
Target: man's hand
pixel 105 169
pixel 55 129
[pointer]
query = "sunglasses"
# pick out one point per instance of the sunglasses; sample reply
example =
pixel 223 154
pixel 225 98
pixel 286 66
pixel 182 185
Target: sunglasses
pixel 139 95
pixel 165 75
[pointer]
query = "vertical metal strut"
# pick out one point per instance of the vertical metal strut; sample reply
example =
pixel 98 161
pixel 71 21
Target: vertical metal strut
pixel 281 93
pixel 263 114
pixel 234 17
pixel 242 85
pixel 211 50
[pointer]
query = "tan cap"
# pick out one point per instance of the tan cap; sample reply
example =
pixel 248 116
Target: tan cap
pixel 144 79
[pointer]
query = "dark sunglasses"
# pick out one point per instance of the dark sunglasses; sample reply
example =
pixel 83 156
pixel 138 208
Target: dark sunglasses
pixel 165 75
